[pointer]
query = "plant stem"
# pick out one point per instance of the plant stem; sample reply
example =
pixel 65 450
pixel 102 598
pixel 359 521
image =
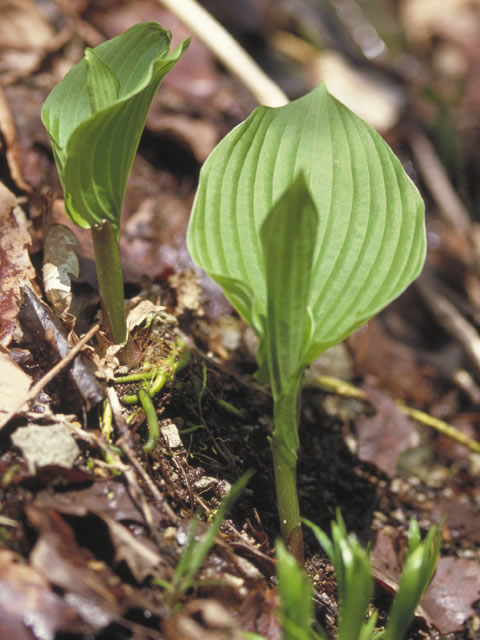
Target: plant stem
pixel 110 280
pixel 284 451
pixel 152 421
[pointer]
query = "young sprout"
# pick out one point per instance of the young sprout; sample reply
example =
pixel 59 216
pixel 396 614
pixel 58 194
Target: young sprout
pixel 306 219
pixel 95 117
pixel 355 583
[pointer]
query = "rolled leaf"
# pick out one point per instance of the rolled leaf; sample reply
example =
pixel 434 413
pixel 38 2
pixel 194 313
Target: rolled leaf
pixel 96 114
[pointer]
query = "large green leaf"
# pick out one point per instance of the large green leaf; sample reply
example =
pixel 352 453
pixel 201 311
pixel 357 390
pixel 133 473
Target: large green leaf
pixel 370 238
pixel 96 114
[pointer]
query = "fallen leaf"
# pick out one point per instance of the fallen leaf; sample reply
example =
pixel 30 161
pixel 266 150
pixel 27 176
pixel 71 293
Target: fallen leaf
pixel 12 152
pixel 16 269
pixel 454 589
pixel 59 262
pixel 14 383
pixel 29 609
pixel 24 26
pixel 383 437
pixel 199 135
pixel 46 332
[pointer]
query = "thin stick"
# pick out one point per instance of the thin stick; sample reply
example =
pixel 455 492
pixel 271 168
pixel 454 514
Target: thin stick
pixel 450 207
pixel 228 51
pixel 54 371
pixel 342 388
pixel 451 319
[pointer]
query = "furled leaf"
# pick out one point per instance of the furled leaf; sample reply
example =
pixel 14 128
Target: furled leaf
pixel 288 240
pixel 96 114
pixel 370 236
pixel 354 580
pixel 296 596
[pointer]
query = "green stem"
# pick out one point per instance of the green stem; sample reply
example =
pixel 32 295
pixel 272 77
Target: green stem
pixel 152 421
pixel 110 280
pixel 284 451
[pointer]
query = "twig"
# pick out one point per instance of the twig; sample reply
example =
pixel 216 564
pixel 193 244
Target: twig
pixel 146 479
pixel 340 387
pixel 450 207
pixel 450 319
pixel 54 371
pixel 227 50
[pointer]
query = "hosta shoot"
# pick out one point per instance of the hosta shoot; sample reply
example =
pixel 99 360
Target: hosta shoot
pixel 95 117
pixel 309 223
pixel 355 583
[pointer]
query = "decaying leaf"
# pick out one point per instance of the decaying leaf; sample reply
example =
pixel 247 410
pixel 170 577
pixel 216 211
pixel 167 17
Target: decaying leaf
pixel 14 383
pixel 16 269
pixel 46 445
pixel 59 262
pixel 12 151
pixel 46 331
pixel 454 589
pixel 28 603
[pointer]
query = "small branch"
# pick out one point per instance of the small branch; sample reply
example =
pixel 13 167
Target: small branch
pixel 342 388
pixel 450 319
pixel 450 207
pixel 227 50
pixel 54 371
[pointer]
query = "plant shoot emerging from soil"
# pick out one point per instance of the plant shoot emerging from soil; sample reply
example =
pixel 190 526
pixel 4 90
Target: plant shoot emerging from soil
pixel 309 223
pixel 95 117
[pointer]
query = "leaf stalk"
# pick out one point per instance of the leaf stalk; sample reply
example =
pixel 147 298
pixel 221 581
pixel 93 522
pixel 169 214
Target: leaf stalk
pixel 110 280
pixel 285 444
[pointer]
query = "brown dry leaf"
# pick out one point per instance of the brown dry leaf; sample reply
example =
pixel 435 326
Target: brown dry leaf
pixel 374 351
pixel 25 34
pixel 59 262
pixel 455 587
pixel 140 557
pixel 139 309
pixel 28 605
pixel 201 620
pixel 24 26
pixel 78 386
pixel 188 291
pixel 14 383
pixel 57 555
pixel 462 519
pixel 9 133
pixel 16 269
pixel 383 437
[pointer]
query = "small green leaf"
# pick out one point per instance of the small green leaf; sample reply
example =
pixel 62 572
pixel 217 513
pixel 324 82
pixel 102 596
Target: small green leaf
pixel 96 114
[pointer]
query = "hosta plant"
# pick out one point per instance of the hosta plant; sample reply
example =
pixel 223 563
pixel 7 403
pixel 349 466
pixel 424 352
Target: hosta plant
pixel 95 117
pixel 309 223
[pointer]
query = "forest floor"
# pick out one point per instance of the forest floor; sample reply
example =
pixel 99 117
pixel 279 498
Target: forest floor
pixel 90 538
